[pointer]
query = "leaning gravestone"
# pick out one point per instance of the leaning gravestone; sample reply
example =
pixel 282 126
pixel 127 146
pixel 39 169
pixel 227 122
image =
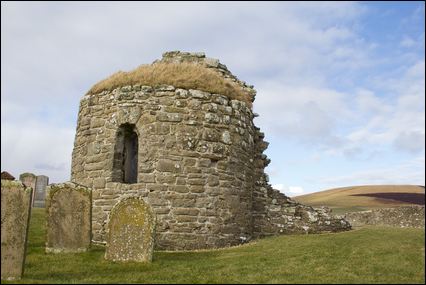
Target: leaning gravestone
pixel 68 209
pixel 29 180
pixel 15 216
pixel 131 231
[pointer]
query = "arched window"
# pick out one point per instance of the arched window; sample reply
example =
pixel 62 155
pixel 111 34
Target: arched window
pixel 125 164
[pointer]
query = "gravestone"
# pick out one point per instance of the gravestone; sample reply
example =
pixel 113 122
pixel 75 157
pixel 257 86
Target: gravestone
pixel 68 209
pixel 40 191
pixel 15 216
pixel 29 180
pixel 131 231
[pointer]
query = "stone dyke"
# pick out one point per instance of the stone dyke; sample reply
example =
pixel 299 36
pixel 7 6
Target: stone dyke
pixel 195 157
pixel 403 216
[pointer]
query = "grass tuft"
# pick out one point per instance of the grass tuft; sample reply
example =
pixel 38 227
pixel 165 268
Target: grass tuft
pixel 182 75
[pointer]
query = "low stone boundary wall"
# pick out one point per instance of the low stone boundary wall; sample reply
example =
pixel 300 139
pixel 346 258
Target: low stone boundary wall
pixel 404 216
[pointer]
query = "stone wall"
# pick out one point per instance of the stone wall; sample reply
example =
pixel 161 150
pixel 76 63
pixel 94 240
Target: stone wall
pixel 404 216
pixel 200 162
pixel 195 164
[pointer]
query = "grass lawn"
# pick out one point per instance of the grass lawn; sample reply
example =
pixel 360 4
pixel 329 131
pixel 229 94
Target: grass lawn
pixel 367 255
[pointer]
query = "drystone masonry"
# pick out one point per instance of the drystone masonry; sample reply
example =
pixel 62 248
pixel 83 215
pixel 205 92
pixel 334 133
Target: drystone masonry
pixel 68 217
pixel 403 216
pixel 15 217
pixel 131 231
pixel 195 157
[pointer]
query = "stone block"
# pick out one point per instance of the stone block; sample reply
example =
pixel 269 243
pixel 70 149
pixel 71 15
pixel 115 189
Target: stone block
pixel 131 231
pixel 196 181
pixel 68 208
pixel 167 165
pixel 15 216
pixel 211 135
pixel 166 178
pixel 147 178
pixel 199 94
pixel 99 183
pixel 169 117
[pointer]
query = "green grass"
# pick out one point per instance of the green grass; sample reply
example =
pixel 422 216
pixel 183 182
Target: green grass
pixel 367 255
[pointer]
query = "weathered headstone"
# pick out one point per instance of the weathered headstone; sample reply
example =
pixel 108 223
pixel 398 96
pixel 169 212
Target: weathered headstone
pixel 68 209
pixel 29 180
pixel 131 231
pixel 15 216
pixel 40 191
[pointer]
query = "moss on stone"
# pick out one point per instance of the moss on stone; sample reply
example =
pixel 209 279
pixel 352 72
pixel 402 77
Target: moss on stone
pixel 133 219
pixel 26 174
pixel 52 189
pixel 13 184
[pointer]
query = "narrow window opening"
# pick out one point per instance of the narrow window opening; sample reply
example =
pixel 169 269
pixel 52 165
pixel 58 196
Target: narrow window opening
pixel 125 164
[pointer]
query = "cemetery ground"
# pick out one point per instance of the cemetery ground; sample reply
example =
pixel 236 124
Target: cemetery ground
pixel 366 255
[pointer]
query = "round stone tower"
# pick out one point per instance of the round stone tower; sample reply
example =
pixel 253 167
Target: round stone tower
pixel 180 134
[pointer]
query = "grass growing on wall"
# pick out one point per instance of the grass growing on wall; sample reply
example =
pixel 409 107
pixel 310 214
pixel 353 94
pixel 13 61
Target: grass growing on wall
pixel 182 75
pixel 368 255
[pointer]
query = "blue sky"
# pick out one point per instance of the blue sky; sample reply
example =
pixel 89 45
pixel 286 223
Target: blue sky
pixel 341 85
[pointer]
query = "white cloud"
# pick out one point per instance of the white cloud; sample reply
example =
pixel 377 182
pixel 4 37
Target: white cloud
pixel 407 42
pixel 409 172
pixel 279 187
pixel 303 113
pixel 37 148
pixel 303 58
pixel 296 190
pixel 289 190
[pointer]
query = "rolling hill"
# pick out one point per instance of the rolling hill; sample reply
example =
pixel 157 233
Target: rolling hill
pixel 360 198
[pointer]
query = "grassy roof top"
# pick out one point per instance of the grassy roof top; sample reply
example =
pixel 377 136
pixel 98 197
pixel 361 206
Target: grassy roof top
pixel 180 75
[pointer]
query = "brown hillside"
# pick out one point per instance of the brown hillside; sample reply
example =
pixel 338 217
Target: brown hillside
pixel 365 197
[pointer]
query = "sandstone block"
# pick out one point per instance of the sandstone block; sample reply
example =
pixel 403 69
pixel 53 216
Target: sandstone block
pixel 168 165
pixel 169 117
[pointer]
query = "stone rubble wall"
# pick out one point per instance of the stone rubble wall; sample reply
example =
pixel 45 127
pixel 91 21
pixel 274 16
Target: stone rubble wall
pixel 275 213
pixel 404 216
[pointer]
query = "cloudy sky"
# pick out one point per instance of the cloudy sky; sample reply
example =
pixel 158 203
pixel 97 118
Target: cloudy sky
pixel 341 86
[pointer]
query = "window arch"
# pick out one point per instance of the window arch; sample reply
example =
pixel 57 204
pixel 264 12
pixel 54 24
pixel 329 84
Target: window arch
pixel 125 164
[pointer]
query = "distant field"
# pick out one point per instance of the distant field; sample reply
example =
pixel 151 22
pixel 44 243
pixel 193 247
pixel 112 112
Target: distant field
pixel 359 198
pixel 368 255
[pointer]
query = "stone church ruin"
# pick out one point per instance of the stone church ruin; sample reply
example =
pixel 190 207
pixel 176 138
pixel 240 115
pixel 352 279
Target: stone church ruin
pixel 179 133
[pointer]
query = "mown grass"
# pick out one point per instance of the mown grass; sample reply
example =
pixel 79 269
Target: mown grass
pixel 182 75
pixel 368 255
